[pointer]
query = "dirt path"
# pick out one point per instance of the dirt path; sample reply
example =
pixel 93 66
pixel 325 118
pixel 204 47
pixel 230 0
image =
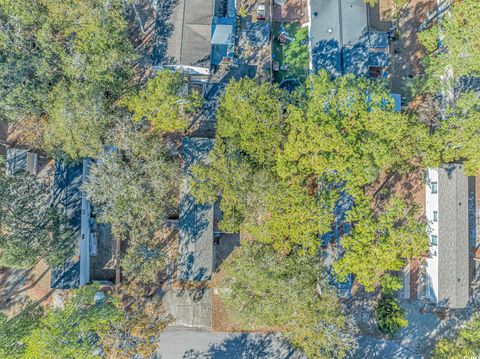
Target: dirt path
pixel 19 286
pixel 407 51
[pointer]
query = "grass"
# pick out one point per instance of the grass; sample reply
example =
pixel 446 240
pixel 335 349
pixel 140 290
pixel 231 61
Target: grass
pixel 293 53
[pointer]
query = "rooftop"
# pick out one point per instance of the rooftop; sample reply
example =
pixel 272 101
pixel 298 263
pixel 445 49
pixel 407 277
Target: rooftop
pixel 195 219
pixel 189 43
pixel 453 247
pixel 339 36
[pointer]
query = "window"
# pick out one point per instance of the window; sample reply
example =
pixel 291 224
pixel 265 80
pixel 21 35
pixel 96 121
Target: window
pixel 434 187
pixel 433 240
pixel 435 216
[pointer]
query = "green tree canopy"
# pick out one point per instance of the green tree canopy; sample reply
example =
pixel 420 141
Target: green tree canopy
pixel 30 228
pixel 276 153
pixel 14 331
pixel 460 39
pixel 132 186
pixel 164 102
pixel 380 241
pixel 348 127
pixel 459 133
pixel 265 290
pixel 72 331
pixel 250 119
pixel 67 59
pixel 465 345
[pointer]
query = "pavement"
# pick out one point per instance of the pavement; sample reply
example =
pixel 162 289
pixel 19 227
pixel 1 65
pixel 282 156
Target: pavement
pixel 190 307
pixel 184 343
pixel 371 347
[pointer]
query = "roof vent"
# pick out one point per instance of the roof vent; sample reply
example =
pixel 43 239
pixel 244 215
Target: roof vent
pixel 330 30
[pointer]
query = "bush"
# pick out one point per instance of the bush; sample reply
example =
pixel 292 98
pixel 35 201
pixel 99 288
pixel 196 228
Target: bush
pixel 390 316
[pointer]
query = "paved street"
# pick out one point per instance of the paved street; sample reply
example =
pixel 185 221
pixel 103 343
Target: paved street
pixel 182 343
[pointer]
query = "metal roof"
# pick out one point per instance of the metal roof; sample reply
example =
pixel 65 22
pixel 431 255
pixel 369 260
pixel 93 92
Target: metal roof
pixel 453 237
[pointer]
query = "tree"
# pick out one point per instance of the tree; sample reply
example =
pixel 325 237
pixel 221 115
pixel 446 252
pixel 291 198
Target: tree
pixel 460 40
pixel 264 290
pixel 144 318
pixel 164 102
pixel 459 133
pixel 250 119
pixel 381 241
pixel 144 257
pixel 348 127
pixel 287 217
pixel 74 331
pixel 77 121
pixel 14 331
pixel 389 315
pixel 466 344
pixel 30 228
pixel 133 186
pixel 69 61
pixel 132 182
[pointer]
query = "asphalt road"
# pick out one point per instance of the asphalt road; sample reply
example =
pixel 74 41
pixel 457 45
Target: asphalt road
pixel 184 343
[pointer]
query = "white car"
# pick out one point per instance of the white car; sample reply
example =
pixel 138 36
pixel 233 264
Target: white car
pixel 261 13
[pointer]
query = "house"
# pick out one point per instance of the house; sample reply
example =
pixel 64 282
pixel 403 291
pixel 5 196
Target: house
pixel 449 208
pixel 93 248
pixel 189 45
pixel 203 37
pixel 341 41
pixel 195 219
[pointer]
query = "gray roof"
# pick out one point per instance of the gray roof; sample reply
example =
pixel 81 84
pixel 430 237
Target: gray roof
pixel 453 248
pixel 223 35
pixel 195 219
pixel 189 43
pixel 339 36
pixel 378 39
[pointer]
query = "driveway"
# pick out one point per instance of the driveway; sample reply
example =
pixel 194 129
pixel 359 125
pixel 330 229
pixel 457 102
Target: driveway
pixel 182 343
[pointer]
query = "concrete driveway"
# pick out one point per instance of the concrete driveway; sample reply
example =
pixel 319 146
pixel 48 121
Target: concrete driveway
pixel 184 343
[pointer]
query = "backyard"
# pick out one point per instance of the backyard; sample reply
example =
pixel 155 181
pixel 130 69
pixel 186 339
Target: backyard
pixel 290 51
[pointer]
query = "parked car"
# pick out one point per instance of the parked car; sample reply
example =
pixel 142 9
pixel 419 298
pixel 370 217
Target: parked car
pixel 261 13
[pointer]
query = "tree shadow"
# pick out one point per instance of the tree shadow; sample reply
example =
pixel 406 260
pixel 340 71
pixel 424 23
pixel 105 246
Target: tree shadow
pixel 246 345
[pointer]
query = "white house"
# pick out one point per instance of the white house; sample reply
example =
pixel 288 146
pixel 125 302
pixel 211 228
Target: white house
pixel 447 270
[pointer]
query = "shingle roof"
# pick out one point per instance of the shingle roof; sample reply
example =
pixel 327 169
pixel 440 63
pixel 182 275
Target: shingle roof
pixel 453 249
pixel 189 43
pixel 195 219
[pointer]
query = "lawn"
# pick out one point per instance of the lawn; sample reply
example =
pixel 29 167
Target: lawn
pixel 293 55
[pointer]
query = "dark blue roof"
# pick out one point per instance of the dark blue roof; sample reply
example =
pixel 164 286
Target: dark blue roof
pixel 67 195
